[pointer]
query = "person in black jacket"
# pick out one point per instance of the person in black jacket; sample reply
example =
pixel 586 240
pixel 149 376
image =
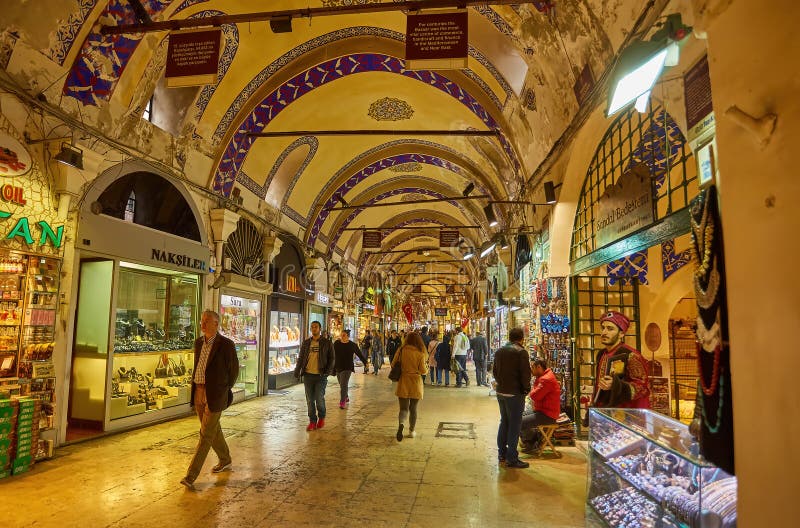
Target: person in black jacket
pixel 392 345
pixel 216 368
pixel 314 365
pixel 512 373
pixel 343 364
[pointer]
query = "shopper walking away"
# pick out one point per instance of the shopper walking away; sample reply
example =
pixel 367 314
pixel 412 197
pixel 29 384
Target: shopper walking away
pixel 366 346
pixel 314 365
pixel 343 366
pixel 425 335
pixel 432 344
pixel 460 346
pixel 443 354
pixel 480 355
pixel 409 390
pixel 512 372
pixel 216 368
pixel 392 344
pixel 377 354
pixel 546 400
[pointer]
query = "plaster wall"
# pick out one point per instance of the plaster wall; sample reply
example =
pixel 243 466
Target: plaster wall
pixel 753 53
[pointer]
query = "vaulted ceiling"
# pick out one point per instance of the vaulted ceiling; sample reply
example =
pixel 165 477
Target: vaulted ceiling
pixel 337 73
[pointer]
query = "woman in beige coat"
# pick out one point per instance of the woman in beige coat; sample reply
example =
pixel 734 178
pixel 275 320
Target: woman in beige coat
pixel 413 365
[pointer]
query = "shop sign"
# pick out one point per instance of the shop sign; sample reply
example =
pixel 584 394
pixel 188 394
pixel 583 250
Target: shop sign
pixel 44 370
pixel 625 207
pixel 697 98
pixel 15 160
pixel 193 58
pixel 177 259
pixel 707 163
pixel 372 239
pixel 22 229
pixel 323 298
pixel 440 312
pixel 448 237
pixel 437 40
pixel 292 284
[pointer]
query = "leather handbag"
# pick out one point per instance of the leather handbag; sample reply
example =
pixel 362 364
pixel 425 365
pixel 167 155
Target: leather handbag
pixel 397 369
pixel 161 368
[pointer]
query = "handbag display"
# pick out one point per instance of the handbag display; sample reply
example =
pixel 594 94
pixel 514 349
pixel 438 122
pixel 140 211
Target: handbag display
pixel 397 369
pixel 161 368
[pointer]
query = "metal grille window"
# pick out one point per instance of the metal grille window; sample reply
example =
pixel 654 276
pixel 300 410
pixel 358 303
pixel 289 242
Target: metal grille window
pixel 592 297
pixel 651 139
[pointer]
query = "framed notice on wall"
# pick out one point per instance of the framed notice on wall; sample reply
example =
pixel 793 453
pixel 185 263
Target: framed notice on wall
pixel 437 40
pixel 193 57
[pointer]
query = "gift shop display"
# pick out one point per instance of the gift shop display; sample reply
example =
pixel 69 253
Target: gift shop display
pixel 153 352
pixel 285 338
pixel 645 470
pixel 240 320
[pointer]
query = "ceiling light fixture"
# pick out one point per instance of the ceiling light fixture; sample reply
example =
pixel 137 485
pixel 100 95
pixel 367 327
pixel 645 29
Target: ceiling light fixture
pixel 71 156
pixel 487 248
pixel 503 241
pixel 641 63
pixel 468 189
pixel 490 217
pixel 281 24
pixel 549 192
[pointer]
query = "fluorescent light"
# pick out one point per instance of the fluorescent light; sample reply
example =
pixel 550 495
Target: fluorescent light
pixel 488 249
pixel 490 217
pixel 469 254
pixel 641 102
pixel 640 78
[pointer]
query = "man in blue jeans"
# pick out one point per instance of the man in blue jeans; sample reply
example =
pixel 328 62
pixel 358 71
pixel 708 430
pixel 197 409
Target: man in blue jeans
pixel 314 365
pixel 512 372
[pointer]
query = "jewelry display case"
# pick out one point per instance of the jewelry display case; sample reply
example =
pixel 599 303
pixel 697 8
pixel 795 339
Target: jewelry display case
pixel 153 353
pixel 285 338
pixel 240 320
pixel 645 471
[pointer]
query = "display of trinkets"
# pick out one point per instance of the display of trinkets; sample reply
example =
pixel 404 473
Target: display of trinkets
pixel 626 508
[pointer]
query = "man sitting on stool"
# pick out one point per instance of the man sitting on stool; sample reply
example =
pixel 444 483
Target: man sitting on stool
pixel 546 399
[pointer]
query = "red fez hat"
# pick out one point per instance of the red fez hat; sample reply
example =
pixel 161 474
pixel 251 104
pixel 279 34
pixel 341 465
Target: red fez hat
pixel 618 319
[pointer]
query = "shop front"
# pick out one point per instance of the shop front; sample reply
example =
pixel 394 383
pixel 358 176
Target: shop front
pixel 139 269
pixel 31 250
pixel 242 306
pixel 318 309
pixel 286 324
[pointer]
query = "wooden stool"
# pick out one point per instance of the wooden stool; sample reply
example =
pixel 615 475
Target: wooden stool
pixel 547 432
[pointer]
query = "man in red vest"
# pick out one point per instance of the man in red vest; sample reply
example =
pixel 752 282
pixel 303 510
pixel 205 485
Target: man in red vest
pixel 546 399
pixel 620 370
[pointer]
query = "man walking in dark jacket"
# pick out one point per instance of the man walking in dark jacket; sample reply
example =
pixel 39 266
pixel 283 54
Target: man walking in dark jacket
pixel 314 366
pixel 480 354
pixel 216 368
pixel 343 367
pixel 512 372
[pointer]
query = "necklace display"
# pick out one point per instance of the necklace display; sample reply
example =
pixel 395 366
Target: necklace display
pixel 712 388
pixel 713 429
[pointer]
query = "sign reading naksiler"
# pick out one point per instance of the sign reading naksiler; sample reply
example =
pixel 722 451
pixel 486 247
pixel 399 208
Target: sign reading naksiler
pixel 625 207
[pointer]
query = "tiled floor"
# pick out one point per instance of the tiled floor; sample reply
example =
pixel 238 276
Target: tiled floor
pixel 351 473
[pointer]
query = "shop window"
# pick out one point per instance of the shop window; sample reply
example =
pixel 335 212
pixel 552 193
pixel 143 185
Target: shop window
pixel 651 139
pixel 244 248
pixel 152 201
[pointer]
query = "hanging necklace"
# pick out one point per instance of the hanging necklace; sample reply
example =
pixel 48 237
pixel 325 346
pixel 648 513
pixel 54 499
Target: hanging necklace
pixel 708 297
pixel 713 429
pixel 709 338
pixel 715 371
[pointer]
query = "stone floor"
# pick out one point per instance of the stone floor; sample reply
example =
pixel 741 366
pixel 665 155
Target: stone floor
pixel 351 473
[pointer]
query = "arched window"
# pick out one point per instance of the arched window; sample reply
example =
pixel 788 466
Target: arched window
pixel 150 200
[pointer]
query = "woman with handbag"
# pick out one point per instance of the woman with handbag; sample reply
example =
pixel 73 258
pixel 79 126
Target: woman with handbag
pixel 413 363
pixel 443 356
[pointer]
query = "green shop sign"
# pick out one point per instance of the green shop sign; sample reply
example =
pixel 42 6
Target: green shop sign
pixel 22 229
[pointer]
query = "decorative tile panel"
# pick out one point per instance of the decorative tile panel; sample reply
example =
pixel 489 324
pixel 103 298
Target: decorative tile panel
pixel 102 59
pixel 68 31
pixel 239 145
pixel 390 109
pixel 652 151
pixel 671 261
pixel 627 268
pixel 412 166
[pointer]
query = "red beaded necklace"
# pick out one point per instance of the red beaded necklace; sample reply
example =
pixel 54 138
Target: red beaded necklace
pixel 708 391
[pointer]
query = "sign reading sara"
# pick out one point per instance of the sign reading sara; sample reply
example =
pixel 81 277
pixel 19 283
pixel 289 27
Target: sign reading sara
pixel 625 207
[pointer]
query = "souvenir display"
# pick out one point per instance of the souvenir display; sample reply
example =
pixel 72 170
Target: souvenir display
pixel 240 320
pixel 645 470
pixel 155 330
pixel 284 347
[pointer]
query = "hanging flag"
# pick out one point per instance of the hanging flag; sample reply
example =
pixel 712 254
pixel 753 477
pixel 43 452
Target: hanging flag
pixel 409 312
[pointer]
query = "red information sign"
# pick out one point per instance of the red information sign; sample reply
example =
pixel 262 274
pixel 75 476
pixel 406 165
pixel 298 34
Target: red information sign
pixel 193 57
pixel 448 237
pixel 372 240
pixel 437 40
pixel 583 84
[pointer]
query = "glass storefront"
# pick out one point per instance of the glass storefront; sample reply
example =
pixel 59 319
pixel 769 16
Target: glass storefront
pixel 317 313
pixel 285 338
pixel 240 320
pixel 156 323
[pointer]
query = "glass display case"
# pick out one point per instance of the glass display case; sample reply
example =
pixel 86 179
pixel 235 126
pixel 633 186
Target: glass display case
pixel 155 328
pixel 285 338
pixel 645 471
pixel 240 320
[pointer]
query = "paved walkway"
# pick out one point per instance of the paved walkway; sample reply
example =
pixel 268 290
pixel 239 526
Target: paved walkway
pixel 351 473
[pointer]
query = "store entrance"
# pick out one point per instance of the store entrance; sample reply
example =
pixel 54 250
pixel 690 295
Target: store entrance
pixel 86 410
